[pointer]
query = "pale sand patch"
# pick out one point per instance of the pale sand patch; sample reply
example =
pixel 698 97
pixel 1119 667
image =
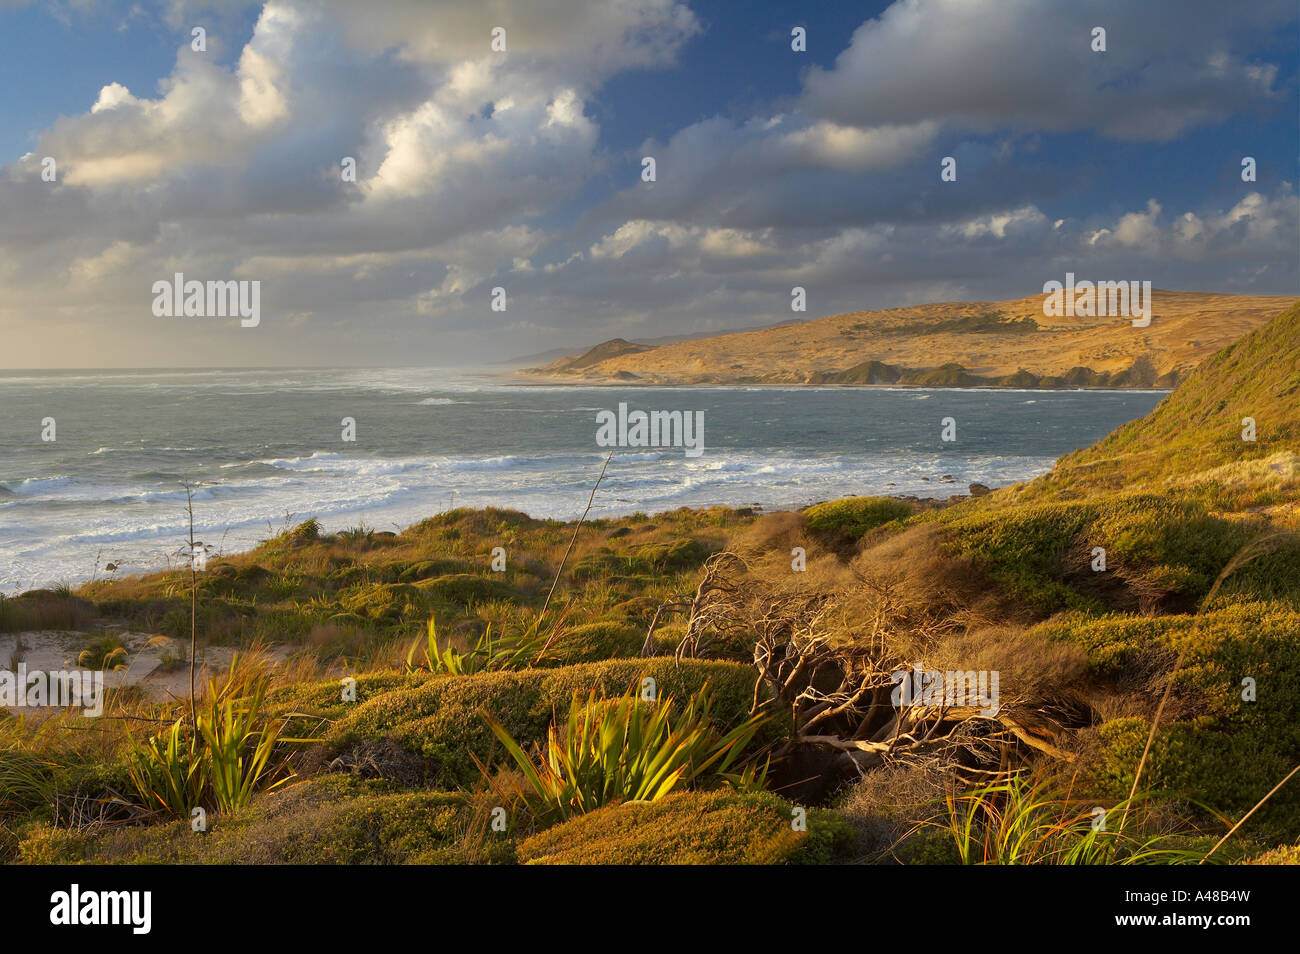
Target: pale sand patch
pixel 57 650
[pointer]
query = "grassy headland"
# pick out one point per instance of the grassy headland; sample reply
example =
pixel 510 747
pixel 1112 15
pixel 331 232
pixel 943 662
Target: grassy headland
pixel 949 344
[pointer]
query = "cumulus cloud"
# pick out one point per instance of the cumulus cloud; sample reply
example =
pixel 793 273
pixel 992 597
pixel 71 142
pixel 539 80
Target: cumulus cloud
pixel 477 169
pixel 982 64
pixel 1256 228
pixel 583 42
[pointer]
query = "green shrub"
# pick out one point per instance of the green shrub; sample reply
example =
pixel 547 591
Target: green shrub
pixel 642 563
pixel 854 516
pixel 330 820
pixel 442 719
pixel 306 532
pixel 693 828
pixel 427 569
pixel 465 589
pixel 625 749
pixel 107 653
pixel 1225 752
pixel 1039 554
pixel 677 555
pixel 603 639
pixel 325 698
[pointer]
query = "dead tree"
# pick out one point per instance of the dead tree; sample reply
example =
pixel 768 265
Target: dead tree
pixel 836 671
pixel 714 609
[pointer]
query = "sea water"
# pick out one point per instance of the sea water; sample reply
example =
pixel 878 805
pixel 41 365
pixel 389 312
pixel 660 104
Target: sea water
pixel 263 450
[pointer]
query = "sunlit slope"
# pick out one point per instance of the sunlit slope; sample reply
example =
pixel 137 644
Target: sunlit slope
pixel 1001 343
pixel 1195 435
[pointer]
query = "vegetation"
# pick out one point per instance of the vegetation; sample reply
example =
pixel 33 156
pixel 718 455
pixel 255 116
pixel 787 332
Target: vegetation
pixel 989 322
pixel 1140 374
pixel 234 751
pixel 718 827
pixel 855 516
pixel 626 749
pixel 1193 439
pixel 1016 823
pixel 1140 605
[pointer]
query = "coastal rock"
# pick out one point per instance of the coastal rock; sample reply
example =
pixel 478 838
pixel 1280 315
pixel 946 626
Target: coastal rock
pixel 979 490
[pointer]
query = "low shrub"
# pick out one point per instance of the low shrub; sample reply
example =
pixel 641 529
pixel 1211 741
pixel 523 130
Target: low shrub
pixel 442 719
pixel 855 516
pixel 692 828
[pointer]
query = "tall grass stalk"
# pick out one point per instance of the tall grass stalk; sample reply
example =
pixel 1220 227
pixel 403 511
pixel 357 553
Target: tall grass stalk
pixel 1016 823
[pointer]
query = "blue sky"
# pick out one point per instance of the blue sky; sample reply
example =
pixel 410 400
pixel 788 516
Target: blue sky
pixel 520 170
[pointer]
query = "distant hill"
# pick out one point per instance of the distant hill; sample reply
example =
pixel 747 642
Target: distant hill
pixel 971 344
pixel 534 361
pixel 605 351
pixel 1195 434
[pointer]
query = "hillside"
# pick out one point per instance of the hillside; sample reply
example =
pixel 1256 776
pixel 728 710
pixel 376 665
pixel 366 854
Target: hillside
pixel 1000 343
pixel 1195 434
pixel 606 351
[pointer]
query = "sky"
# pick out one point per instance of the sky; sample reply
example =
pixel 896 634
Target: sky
pixel 521 169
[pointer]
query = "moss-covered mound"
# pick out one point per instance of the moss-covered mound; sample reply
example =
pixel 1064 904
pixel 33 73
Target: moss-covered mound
pixel 1225 741
pixel 332 820
pixel 853 517
pixel 443 718
pixel 691 828
pixel 1161 550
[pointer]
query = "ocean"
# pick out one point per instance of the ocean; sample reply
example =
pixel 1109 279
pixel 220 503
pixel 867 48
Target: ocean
pixel 263 450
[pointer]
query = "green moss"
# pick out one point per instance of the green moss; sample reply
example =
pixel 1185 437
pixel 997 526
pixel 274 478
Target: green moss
pixel 1219 750
pixel 442 719
pixel 464 589
pixel 325 698
pixel 854 516
pixel 332 820
pixel 592 642
pixel 1163 546
pixel 643 562
pixel 718 827
pixel 426 569
pixel 1286 855
pixel 674 555
pixel 928 845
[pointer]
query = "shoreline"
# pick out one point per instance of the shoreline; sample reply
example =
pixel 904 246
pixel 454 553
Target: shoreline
pixel 327 526
pixel 793 386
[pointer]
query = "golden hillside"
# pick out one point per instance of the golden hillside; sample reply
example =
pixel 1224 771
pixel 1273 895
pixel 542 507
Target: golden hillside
pixel 1010 343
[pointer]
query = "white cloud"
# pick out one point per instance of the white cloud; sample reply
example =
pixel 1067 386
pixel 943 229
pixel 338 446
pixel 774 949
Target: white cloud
pixel 982 64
